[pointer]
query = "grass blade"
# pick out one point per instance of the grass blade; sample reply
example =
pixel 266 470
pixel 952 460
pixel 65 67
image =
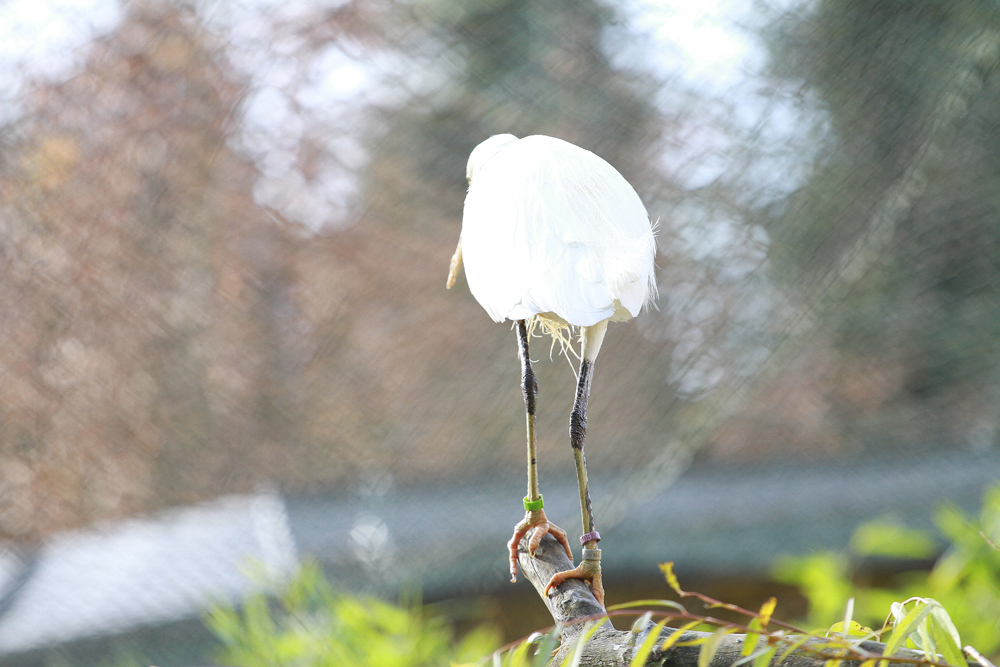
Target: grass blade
pixel 711 646
pixel 639 658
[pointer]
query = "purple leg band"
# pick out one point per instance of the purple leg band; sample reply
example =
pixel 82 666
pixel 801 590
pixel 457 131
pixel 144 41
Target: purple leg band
pixel 595 536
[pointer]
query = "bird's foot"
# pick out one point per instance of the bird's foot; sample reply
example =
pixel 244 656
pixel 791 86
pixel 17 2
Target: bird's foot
pixel 534 520
pixel 589 570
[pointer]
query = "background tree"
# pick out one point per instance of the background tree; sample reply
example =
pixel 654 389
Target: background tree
pixel 895 235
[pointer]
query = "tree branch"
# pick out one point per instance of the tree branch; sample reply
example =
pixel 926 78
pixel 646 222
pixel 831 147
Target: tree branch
pixel 572 602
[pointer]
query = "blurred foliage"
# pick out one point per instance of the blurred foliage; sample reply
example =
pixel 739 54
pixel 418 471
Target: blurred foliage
pixel 965 577
pixel 534 651
pixel 903 208
pixel 187 311
pixel 226 231
pixel 311 625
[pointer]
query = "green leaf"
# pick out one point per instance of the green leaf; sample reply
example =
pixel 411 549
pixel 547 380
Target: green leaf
pixel 794 646
pixel 518 656
pixel 697 641
pixel 753 657
pixel 668 572
pixel 639 658
pixel 944 634
pixel 711 646
pixel 766 610
pixel 903 629
pixel 544 652
pixel 676 635
pixel 649 603
pixel 940 615
pixel 759 623
pixel 752 637
pixel 855 629
pixel 765 657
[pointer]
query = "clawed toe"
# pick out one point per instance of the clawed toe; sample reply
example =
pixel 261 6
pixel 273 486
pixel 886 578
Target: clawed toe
pixel 537 522
pixel 589 571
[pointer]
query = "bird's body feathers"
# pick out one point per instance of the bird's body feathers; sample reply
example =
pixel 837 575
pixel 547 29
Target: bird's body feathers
pixel 551 229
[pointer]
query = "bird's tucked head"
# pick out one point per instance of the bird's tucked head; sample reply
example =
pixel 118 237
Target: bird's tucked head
pixel 482 153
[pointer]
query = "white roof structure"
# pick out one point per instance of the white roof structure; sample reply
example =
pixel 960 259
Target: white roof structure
pixel 114 577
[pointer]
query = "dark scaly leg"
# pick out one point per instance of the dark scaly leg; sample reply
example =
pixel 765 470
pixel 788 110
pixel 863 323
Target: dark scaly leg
pixel 534 517
pixel 589 568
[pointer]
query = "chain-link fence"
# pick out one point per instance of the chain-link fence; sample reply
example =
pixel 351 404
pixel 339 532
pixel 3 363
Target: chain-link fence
pixel 226 228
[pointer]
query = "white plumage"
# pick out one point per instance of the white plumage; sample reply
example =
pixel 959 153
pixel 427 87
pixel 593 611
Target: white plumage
pixel 550 228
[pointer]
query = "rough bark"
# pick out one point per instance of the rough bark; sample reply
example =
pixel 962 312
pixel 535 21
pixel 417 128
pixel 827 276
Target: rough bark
pixel 608 647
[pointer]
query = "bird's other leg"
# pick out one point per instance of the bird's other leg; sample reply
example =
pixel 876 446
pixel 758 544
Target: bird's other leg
pixel 589 568
pixel 456 261
pixel 534 517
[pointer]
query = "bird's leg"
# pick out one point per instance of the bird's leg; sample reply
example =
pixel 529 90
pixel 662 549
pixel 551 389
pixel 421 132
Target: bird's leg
pixel 534 517
pixel 589 568
pixel 456 261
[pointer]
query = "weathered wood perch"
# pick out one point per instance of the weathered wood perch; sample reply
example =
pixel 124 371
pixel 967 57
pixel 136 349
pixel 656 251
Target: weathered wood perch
pixel 614 648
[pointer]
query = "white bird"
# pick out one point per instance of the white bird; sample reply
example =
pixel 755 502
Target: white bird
pixel 553 234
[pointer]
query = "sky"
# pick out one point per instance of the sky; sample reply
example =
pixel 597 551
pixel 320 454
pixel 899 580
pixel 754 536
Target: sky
pixel 43 40
pixel 710 49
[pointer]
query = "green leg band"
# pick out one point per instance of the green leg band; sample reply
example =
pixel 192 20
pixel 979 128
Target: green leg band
pixel 534 505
